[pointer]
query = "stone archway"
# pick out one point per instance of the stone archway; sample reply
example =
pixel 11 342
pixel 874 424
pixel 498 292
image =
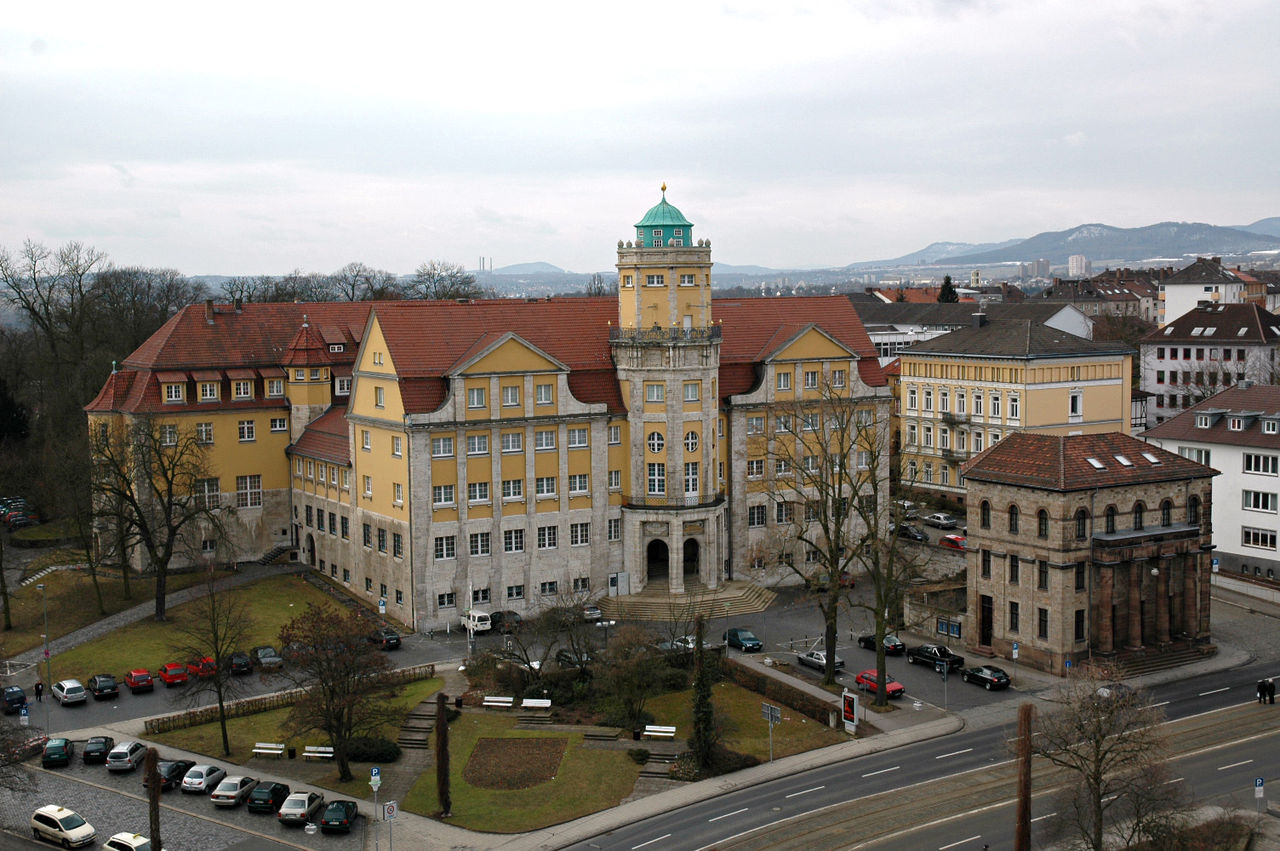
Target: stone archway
pixel 657 561
pixel 692 556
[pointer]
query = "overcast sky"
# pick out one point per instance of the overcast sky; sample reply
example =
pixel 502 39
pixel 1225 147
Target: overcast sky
pixel 248 138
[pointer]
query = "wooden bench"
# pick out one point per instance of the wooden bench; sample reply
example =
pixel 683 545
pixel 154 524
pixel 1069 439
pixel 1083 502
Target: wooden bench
pixel 492 702
pixel 535 703
pixel 317 752
pixel 656 731
pixel 269 748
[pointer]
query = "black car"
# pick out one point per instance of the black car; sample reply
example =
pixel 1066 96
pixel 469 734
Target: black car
pixel 567 658
pixel 988 676
pixel 239 663
pixel 14 699
pixel 103 687
pixel 935 654
pixel 97 748
pixel 743 639
pixel 171 772
pixel 505 621
pixel 893 645
pixel 386 638
pixel 339 816
pixel 911 533
pixel 57 752
pixel 267 797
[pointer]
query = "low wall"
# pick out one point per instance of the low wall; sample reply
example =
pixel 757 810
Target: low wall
pixel 1258 590
pixel 267 702
pixel 779 690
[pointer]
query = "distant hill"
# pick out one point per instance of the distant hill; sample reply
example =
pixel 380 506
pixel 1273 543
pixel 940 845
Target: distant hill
pixel 529 269
pixel 1104 242
pixel 1269 227
pixel 939 251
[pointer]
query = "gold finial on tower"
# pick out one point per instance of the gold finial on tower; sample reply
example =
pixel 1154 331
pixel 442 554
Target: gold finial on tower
pixel 664 187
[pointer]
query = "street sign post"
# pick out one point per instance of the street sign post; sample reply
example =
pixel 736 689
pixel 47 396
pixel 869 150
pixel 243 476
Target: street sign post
pixel 1258 792
pixel 773 715
pixel 1014 654
pixel 24 718
pixel 375 780
pixel 389 810
pixel 382 605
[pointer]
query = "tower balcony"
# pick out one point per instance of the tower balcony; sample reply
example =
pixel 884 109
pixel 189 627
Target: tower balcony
pixel 672 502
pixel 663 336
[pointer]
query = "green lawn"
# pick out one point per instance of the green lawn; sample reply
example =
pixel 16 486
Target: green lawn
pixel 744 730
pixel 587 780
pixel 72 603
pixel 270 603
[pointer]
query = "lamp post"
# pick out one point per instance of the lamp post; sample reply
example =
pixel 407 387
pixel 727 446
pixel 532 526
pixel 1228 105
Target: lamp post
pixel 605 626
pixel 48 665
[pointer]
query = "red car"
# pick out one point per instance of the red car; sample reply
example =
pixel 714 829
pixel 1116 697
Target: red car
pixel 202 667
pixel 172 674
pixel 867 680
pixel 952 542
pixel 139 679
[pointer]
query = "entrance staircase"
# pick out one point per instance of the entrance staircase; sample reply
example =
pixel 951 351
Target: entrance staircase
pixel 1147 660
pixel 657 602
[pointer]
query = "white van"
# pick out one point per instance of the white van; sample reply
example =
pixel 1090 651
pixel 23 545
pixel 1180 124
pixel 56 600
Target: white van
pixel 476 621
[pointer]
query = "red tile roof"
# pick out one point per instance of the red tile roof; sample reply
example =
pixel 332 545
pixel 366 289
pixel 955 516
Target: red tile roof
pixel 326 438
pixel 1261 400
pixel 1061 463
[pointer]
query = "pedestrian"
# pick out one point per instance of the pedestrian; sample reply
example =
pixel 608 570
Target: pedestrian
pixel 39 692
pixel 1271 690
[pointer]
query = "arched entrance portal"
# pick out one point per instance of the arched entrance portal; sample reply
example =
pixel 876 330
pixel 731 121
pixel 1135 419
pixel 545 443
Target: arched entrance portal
pixel 691 553
pixel 657 561
pixel 311 550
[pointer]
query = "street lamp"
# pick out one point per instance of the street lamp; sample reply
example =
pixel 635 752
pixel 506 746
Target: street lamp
pixel 48 665
pixel 605 626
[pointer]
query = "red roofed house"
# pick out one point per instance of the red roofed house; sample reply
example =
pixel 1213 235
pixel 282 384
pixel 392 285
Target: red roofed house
pixel 1087 547
pixel 502 453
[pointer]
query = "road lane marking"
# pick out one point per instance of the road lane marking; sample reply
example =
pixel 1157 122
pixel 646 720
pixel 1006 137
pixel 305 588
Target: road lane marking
pixel 881 771
pixel 953 753
pixel 961 842
pixel 726 815
pixel 1158 705
pixel 1234 765
pixel 1215 691
pixel 1045 816
pixel 1174 780
pixel 805 792
pixel 651 841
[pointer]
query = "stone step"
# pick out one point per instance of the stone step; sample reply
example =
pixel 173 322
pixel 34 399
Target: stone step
pixel 657 771
pixel 656 603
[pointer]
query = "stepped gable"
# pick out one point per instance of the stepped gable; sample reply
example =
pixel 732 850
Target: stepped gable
pixel 1062 462
pixel 326 438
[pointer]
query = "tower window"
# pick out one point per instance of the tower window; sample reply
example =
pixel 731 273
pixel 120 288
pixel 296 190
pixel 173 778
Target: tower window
pixel 688 281
pixel 655 280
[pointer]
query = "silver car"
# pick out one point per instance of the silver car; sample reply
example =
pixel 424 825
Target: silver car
pixel 68 691
pixel 126 756
pixel 202 778
pixel 300 807
pixel 233 791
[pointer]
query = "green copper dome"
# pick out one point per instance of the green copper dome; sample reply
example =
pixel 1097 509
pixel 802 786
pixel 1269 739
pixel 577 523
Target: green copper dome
pixel 662 224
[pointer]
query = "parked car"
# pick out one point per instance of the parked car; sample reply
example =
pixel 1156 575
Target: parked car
pixel 988 676
pixel 1115 691
pixel 171 772
pixel 139 680
pixel 68 691
pixel 386 638
pixel 867 680
pixel 172 674
pixel 57 751
pixel 680 644
pixel 62 827
pixel 267 797
pixel 128 842
pixel 893 645
pixel 126 756
pixel 910 532
pixel 233 791
pixel 14 699
pixel 817 659
pixel 821 581
pixel 265 657
pixel 202 778
pixel 906 509
pixel 339 816
pixel 103 687
pixel 569 658
pixel 935 654
pixel 202 668
pixel 952 542
pixel 506 621
pixel 96 748
pixel 742 639
pixel 22 521
pixel 239 663
pixel 300 807
pixel 941 520
pixel 591 612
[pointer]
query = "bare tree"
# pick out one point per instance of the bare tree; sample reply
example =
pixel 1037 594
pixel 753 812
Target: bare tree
pixel 153 479
pixel 358 282
pixel 154 788
pixel 631 673
pixel 440 280
pixel 596 285
pixel 134 301
pixel 340 673
pixel 1109 743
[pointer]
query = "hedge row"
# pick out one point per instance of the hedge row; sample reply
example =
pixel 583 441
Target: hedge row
pixel 780 691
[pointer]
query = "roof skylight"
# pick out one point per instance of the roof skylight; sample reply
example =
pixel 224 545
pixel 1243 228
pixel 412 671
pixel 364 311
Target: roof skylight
pixel 1097 465
pixel 1153 459
pixel 1124 461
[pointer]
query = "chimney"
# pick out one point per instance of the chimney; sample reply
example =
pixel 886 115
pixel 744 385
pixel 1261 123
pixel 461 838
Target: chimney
pixel 239 305
pixel 208 310
pixel 979 320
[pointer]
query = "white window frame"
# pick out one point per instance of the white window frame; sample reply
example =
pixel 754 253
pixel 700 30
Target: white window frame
pixel 443 495
pixel 543 394
pixel 475 398
pixel 510 396
pixel 576 437
pixel 544 440
pixel 512 441
pixel 478 444
pixel 247 430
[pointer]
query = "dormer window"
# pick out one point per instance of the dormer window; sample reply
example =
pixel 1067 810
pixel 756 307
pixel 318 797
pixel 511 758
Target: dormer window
pixel 1203 421
pixel 343 387
pixel 336 347
pixel 275 387
pixel 242 389
pixel 1235 424
pixel 1270 427
pixel 208 391
pixel 173 393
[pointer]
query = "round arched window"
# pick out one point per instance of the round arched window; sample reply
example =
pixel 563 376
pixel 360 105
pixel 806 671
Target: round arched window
pixel 656 441
pixel 691 441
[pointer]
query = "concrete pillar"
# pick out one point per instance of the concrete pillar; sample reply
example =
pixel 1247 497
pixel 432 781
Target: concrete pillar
pixel 1162 602
pixel 1134 638
pixel 1102 614
pixel 1190 601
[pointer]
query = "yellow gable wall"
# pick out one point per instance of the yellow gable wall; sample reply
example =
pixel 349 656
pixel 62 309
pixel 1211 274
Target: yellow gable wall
pixel 374 348
pixel 812 345
pixel 511 356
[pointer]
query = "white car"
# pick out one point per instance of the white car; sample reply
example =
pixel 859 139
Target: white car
pixel 817 659
pixel 233 791
pixel 62 826
pixel 68 691
pixel 128 842
pixel 941 520
pixel 202 778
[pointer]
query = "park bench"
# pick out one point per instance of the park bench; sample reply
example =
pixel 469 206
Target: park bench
pixel 657 731
pixel 269 748
pixel 535 703
pixel 317 752
pixel 492 702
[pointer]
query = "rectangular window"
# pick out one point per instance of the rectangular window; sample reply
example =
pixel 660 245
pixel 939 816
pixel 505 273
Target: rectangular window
pixel 446 601
pixel 912 404
pixel 784 512
pixel 477 444
pixel 782 467
pixel 208 493
pixel 248 491
pixel 1201 456
pixel 692 391
pixel 691 478
pixel 755 516
pixel 1079 628
pixel 441 447
pixel 1080 577
pixel 1261 538
pixel 246 430
pixel 279 424
pixel 655 280
pixel 513 488
pixel 1264 465
pixel 475 397
pixel 1042 575
pixel 1259 501
pixel 397 446
pixel 995 406
pixel 275 387
pixel 173 392
pixel 513 540
pixel 515 592
pixel 579 534
pixel 204 433
pixel 1014 408
pixel 513 441
pixel 977 403
pixel 168 435
pixel 346 575
pixel 479 543
pixel 333 523
pixel 615 435
pixel 544 486
pixel 366 534
pixel 577 483
pixel 1013 616
pixel 399 597
pixel 548 537
pixel 1014 566
pixel 810 379
pixel 615 480
pixel 382 540
pixel 686 280
pixel 379 397
pixel 446 547
pixel 577 438
pixel 837 378
pixel 543 393
pixel 615 529
pixel 479 596
pixel 986 564
pixel 442 494
pixel 366 440
pixel 510 396
pixel 547 589
pixel 657 479
pixel 241 389
pixel 755 425
pixel 755 468
pixel 655 392
pixel 1042 623
pixel 208 391
pixel 368 486
pixel 928 399
pixel 544 439
pixel 784 381
pixel 346 528
pixel 477 491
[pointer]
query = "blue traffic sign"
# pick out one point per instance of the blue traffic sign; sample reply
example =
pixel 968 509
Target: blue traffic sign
pixel 24 712
pixel 375 771
pixel 1257 782
pixel 1015 645
pixel 1068 664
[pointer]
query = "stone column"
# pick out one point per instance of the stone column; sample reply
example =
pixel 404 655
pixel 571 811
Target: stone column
pixel 1190 604
pixel 1162 602
pixel 1134 640
pixel 1102 615
pixel 675 559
